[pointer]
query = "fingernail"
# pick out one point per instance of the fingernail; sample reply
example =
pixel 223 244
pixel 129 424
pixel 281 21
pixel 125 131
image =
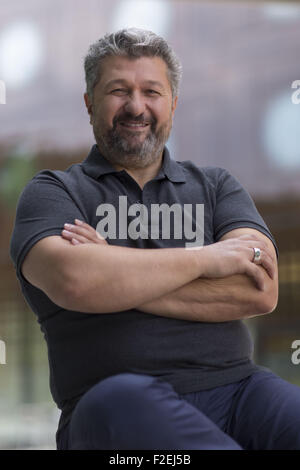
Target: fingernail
pixel 79 222
pixel 76 242
pixel 68 225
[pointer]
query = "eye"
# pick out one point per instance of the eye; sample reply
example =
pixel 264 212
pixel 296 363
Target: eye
pixel 153 92
pixel 120 91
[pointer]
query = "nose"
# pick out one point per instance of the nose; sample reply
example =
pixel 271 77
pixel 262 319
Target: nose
pixel 135 104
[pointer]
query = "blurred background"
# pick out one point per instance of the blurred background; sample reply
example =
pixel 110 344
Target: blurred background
pixel 237 109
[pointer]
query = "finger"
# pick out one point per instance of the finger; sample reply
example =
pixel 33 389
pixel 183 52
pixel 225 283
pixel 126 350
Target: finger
pixel 258 244
pixel 89 229
pixel 269 265
pixel 256 274
pixel 72 235
pixel 88 233
pixel 80 223
pixel 266 259
pixel 94 233
pixel 84 225
pixel 267 262
pixel 79 228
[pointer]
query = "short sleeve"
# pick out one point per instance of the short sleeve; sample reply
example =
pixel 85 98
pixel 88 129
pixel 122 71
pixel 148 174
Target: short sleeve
pixel 236 209
pixel 43 207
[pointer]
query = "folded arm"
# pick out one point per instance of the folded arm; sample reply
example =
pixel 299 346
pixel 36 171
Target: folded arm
pixel 216 300
pixel 86 274
pixel 98 278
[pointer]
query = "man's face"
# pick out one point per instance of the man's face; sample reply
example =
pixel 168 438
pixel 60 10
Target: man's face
pixel 132 111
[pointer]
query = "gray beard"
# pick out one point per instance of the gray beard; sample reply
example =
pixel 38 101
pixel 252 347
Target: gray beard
pixel 120 151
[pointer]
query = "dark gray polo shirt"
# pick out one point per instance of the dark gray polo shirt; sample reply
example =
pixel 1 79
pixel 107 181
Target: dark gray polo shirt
pixel 85 348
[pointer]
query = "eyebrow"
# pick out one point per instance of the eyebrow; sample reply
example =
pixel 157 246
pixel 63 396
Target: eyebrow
pixel 124 82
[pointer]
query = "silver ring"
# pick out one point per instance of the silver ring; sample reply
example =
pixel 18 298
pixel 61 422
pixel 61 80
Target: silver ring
pixel 257 255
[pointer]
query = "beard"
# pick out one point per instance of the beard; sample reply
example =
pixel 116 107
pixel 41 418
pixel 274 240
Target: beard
pixel 132 150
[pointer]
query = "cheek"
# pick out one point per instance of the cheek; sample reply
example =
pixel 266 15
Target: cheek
pixel 162 112
pixel 98 121
pixel 165 118
pixel 103 121
pixel 106 112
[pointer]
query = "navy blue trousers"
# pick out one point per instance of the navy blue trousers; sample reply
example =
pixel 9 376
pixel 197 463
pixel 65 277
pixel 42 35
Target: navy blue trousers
pixel 135 411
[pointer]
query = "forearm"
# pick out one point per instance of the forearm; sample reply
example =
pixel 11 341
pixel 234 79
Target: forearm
pixel 215 300
pixel 232 297
pixel 107 279
pixel 111 278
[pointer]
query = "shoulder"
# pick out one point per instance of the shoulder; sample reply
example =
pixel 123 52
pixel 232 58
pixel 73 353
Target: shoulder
pixel 63 176
pixel 211 175
pixel 52 180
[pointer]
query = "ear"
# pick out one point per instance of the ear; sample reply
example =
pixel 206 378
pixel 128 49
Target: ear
pixel 174 105
pixel 89 106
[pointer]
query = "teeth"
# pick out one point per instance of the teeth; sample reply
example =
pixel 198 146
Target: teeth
pixel 133 125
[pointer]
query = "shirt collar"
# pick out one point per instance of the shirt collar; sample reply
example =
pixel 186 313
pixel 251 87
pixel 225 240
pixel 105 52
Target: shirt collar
pixel 95 165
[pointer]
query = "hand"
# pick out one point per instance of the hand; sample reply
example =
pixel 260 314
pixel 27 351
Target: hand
pixel 235 256
pixel 82 233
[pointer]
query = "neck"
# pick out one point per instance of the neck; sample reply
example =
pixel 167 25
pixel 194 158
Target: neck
pixel 142 175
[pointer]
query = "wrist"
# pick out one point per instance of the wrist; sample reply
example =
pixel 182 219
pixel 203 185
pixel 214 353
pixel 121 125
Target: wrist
pixel 201 257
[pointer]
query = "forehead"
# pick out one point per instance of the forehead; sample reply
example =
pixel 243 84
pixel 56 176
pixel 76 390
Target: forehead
pixel 133 70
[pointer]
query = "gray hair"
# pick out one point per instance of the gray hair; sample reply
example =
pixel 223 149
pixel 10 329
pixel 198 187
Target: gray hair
pixel 133 43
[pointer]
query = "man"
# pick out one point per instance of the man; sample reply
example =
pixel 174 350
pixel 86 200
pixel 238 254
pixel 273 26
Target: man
pixel 146 341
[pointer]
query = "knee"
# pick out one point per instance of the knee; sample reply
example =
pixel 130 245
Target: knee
pixel 119 392
pixel 125 386
pixel 128 381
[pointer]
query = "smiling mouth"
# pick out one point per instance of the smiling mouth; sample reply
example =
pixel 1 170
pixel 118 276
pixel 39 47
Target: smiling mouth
pixel 134 125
